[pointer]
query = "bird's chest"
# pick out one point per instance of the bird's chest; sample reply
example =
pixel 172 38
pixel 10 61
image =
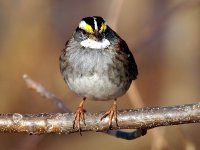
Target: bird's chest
pixel 87 62
pixel 97 87
pixel 96 76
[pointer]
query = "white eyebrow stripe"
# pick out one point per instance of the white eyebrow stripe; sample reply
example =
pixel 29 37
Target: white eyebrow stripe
pixel 95 24
pixel 82 24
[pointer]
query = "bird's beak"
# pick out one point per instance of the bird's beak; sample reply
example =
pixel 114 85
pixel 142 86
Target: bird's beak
pixel 98 35
pixel 93 37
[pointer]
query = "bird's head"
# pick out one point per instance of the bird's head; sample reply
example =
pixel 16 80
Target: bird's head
pixel 91 32
pixel 94 27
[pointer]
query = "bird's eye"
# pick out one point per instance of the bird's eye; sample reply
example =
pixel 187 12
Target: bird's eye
pixel 103 27
pixel 83 31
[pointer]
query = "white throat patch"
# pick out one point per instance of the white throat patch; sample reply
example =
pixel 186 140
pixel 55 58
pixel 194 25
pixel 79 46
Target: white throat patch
pixel 88 43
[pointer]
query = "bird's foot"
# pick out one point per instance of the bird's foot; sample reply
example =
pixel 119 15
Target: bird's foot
pixel 112 113
pixel 79 116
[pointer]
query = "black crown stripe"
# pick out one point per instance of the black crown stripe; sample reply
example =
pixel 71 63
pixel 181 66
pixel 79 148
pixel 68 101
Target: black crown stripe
pixel 90 21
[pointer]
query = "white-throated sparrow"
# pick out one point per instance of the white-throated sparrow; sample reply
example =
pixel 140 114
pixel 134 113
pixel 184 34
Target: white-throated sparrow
pixel 98 65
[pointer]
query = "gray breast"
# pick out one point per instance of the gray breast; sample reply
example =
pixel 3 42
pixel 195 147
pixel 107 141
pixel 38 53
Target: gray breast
pixel 92 73
pixel 86 61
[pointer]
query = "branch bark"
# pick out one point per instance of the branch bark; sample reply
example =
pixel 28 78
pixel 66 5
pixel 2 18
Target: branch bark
pixel 143 118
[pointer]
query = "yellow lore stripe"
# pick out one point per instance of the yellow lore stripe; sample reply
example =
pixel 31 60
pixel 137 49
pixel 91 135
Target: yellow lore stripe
pixel 88 28
pixel 103 27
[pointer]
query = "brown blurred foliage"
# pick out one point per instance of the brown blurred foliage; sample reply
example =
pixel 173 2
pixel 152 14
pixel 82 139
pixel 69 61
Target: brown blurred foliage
pixel 164 36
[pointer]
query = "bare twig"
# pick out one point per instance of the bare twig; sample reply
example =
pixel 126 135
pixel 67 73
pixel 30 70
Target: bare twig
pixel 134 96
pixel 114 12
pixel 143 118
pixel 45 93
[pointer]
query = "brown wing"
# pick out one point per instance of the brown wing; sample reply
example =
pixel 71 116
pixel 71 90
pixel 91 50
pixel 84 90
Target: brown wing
pixel 122 49
pixel 62 58
pixel 132 66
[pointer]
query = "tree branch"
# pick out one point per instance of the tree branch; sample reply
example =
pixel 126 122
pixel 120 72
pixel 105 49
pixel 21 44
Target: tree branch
pixel 143 118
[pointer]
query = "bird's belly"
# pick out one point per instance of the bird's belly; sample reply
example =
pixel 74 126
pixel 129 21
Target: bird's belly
pixel 97 87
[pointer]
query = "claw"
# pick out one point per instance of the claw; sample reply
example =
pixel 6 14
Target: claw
pixel 79 116
pixel 112 113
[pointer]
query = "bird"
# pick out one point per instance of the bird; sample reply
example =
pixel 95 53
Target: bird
pixel 97 64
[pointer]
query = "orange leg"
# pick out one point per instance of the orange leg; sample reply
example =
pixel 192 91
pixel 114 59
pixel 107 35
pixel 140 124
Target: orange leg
pixel 79 115
pixel 112 113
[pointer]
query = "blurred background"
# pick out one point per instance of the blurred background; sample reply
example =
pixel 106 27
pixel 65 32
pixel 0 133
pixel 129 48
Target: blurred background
pixel 164 36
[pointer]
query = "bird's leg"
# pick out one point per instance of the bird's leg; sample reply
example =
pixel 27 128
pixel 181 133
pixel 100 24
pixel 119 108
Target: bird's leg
pixel 112 113
pixel 79 115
